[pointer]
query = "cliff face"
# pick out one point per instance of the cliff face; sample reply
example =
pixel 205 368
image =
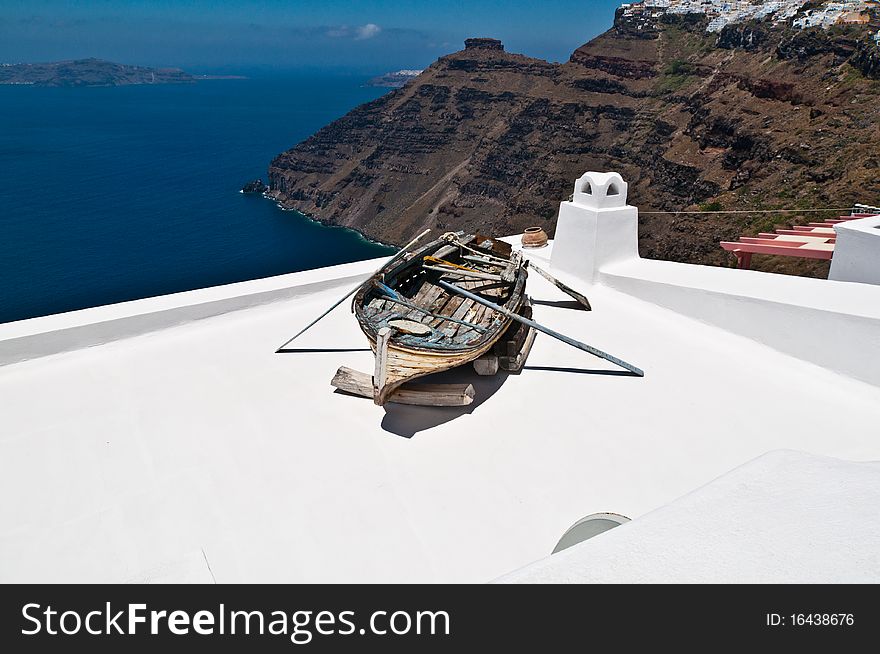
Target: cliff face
pixel 755 117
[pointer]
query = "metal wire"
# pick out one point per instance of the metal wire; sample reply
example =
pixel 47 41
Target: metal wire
pixel 643 213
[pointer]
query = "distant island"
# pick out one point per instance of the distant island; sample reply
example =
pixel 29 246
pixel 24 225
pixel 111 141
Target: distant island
pixel 394 80
pixel 95 72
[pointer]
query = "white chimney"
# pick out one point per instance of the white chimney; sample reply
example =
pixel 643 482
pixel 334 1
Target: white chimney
pixel 596 227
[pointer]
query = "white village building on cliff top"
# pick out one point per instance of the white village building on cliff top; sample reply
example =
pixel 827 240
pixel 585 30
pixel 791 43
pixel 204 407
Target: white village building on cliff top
pixel 725 12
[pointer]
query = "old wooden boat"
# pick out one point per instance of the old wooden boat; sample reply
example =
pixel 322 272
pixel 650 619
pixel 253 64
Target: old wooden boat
pixel 417 328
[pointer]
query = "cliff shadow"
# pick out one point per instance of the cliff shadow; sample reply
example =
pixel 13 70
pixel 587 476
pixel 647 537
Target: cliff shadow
pixel 406 420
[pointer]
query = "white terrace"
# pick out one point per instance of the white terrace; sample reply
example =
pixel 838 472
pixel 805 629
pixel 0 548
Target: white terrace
pixel 165 440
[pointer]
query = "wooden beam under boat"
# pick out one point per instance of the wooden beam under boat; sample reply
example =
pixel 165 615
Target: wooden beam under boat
pixel 360 383
pixel 400 365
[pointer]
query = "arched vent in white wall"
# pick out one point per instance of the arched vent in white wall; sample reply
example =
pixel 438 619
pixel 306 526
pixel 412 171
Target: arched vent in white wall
pixel 587 188
pixel 587 527
pixel 612 189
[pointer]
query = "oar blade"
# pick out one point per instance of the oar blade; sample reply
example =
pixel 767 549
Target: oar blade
pixel 568 290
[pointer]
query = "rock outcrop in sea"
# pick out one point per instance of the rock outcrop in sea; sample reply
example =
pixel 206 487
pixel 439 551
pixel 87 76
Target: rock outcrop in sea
pixel 255 186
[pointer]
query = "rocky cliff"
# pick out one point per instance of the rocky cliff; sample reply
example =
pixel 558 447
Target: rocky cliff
pixel 754 117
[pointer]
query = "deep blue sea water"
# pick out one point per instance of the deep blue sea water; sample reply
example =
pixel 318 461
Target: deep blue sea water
pixel 114 194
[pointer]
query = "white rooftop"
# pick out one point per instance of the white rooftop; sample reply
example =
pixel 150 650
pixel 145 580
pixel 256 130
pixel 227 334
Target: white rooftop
pixel 165 440
pixel 784 517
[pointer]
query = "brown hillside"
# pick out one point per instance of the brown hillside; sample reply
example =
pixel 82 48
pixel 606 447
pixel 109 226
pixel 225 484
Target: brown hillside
pixel 753 118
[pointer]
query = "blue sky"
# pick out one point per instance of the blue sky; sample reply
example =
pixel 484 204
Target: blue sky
pixel 365 36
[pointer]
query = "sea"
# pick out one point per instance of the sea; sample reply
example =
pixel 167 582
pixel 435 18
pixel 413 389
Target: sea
pixel 121 193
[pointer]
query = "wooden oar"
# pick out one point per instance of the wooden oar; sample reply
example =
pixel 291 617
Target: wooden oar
pixel 354 290
pixel 568 290
pixel 531 323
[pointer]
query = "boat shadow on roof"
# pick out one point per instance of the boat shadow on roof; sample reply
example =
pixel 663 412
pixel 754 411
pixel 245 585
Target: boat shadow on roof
pixel 407 420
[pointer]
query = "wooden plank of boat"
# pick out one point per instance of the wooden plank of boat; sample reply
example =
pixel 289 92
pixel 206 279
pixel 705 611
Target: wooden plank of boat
pixel 380 376
pixel 427 299
pixel 459 315
pixel 390 313
pixel 439 318
pixel 410 327
pixel 490 288
pixel 469 317
pixel 439 304
pixel 421 298
pixel 476 314
pixel 360 383
pixel 482 316
pixel 449 307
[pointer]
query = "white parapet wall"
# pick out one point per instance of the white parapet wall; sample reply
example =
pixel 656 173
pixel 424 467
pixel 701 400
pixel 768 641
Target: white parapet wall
pixel 64 332
pixel 833 324
pixel 857 251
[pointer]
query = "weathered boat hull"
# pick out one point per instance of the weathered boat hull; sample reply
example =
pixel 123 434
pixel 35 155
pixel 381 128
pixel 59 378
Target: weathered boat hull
pixel 404 365
pixel 455 330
